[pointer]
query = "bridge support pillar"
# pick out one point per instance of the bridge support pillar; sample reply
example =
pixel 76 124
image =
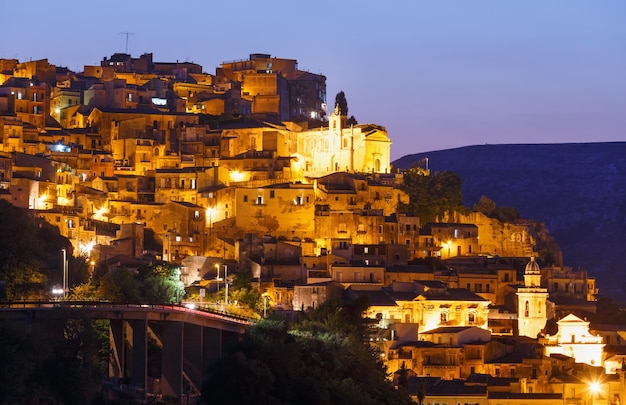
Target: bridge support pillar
pixel 211 346
pixel 172 359
pixel 138 344
pixel 193 364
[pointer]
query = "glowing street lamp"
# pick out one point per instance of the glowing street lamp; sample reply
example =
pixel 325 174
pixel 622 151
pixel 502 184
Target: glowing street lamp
pixel 217 267
pixel 594 388
pixel 57 291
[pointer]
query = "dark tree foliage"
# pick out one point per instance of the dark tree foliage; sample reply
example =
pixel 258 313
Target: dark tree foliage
pixel 321 360
pixel 30 253
pixel 157 284
pixel 52 361
pixel 342 103
pixel 490 209
pixel 432 196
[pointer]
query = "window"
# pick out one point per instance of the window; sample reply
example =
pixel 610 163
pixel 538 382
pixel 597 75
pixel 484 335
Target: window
pixel 245 198
pixel 272 193
pixel 365 250
pixel 471 317
pixel 443 317
pixel 526 309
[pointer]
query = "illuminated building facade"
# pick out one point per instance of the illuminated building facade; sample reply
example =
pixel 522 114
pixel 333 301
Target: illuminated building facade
pixel 574 340
pixel 531 302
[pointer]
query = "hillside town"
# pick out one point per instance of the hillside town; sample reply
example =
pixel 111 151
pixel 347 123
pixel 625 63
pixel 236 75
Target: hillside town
pixel 250 169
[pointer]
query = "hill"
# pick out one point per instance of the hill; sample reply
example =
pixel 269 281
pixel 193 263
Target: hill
pixel 577 190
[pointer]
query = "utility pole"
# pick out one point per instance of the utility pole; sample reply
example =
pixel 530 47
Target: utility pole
pixel 127 35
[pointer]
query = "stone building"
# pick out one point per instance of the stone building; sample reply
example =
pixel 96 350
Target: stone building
pixel 532 313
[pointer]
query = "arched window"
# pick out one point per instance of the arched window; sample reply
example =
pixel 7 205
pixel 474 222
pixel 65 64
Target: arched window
pixel 526 309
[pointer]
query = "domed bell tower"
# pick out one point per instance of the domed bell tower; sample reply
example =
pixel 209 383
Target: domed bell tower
pixel 531 302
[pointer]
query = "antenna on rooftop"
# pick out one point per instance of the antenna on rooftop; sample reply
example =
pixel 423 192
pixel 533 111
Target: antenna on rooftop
pixel 127 35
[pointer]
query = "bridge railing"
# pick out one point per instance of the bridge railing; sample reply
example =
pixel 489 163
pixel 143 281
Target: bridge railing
pixel 112 305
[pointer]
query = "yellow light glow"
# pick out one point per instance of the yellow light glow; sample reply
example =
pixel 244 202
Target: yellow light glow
pixel 595 387
pixel 100 214
pixel 85 248
pixel 236 175
pixel 41 201
pixel 210 215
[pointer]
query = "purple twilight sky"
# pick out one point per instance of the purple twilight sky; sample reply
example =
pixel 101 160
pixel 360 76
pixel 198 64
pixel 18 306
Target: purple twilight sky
pixel 438 74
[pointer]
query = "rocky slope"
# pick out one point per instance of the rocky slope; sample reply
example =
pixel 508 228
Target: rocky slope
pixel 578 190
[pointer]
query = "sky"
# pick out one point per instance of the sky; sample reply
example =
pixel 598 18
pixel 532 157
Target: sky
pixel 438 74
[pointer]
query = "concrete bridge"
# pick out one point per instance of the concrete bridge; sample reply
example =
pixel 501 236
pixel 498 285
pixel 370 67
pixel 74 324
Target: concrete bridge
pixel 190 339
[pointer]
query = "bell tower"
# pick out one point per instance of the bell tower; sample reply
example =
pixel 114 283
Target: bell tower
pixel 531 302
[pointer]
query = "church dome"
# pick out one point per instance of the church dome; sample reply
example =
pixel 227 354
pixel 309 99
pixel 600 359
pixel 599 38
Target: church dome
pixel 532 267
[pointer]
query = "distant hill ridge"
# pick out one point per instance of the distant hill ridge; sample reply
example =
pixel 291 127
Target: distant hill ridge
pixel 577 189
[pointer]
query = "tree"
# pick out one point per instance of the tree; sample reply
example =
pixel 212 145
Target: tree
pixel 312 362
pixel 342 103
pixel 430 197
pixel 489 208
pixel 30 253
pixel 485 205
pixel 52 361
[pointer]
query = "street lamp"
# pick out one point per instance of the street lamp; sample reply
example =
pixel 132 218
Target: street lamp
pixel 217 267
pixel 594 388
pixel 65 280
pixel 226 283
